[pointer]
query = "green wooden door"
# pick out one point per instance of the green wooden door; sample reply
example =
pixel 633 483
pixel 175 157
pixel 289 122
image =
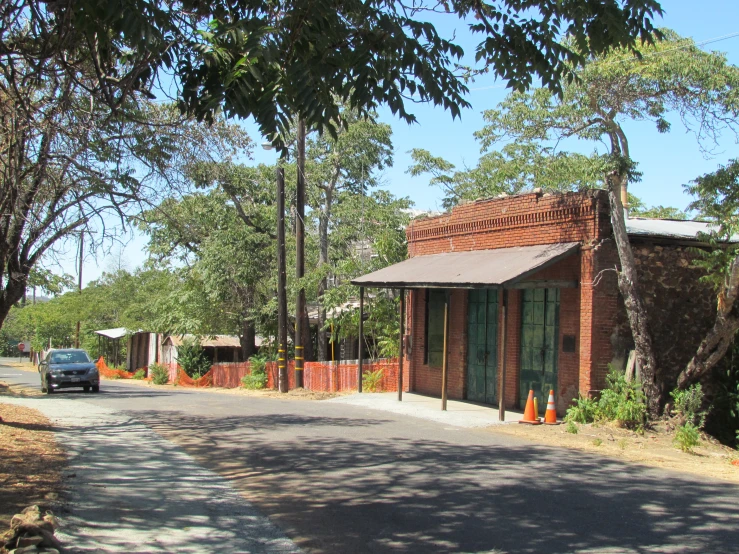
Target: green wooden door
pixel 482 346
pixel 539 343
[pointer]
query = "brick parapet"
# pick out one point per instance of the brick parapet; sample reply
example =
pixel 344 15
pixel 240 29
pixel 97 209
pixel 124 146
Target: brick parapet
pixel 521 220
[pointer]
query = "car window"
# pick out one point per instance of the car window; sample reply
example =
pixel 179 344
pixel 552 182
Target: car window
pixel 68 358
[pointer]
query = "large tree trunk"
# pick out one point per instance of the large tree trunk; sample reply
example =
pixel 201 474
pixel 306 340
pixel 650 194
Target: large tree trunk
pixel 636 310
pixel 718 339
pixel 323 260
pixel 247 340
pixel 14 291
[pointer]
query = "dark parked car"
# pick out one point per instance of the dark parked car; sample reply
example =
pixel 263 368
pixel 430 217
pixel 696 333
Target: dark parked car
pixel 68 367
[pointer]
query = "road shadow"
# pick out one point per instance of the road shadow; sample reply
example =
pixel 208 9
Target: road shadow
pixel 128 491
pixel 337 490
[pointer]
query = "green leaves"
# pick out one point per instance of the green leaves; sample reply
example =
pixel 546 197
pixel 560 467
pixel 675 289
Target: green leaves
pixel 717 200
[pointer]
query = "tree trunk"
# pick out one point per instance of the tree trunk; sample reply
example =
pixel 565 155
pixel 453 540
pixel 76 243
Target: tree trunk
pixel 247 340
pixel 717 341
pixel 323 260
pixel 636 311
pixel 10 295
pixel 307 339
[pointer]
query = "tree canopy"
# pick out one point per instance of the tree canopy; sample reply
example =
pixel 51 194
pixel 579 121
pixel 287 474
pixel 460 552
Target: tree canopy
pixel 278 60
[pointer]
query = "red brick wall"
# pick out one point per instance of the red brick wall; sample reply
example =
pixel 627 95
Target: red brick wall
pixel 424 378
pixel 513 348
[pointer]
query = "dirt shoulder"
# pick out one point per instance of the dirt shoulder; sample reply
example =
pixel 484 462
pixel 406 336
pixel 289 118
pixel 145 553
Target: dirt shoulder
pixel 31 461
pixel 653 448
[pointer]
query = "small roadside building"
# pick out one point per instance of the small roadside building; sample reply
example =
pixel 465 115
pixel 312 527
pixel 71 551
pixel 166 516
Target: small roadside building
pixel 142 349
pixel 218 348
pixel 109 344
pixel 527 287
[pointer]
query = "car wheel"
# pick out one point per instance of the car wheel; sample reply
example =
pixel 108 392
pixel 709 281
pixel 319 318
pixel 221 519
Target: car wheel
pixel 96 388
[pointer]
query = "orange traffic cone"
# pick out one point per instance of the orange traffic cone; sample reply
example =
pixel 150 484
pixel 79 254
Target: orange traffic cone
pixel 529 415
pixel 550 417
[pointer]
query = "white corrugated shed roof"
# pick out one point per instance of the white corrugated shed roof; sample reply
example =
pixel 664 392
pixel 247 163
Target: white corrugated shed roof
pixel 666 228
pixel 116 333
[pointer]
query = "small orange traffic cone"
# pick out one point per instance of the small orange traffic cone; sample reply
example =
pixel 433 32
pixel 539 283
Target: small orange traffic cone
pixel 550 417
pixel 529 415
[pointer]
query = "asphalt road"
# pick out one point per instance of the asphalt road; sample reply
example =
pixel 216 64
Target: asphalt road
pixel 337 478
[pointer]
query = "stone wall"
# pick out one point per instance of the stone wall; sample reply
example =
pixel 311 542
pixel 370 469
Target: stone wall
pixel 681 308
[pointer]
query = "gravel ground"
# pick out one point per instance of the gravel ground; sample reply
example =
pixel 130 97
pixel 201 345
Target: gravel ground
pixel 129 490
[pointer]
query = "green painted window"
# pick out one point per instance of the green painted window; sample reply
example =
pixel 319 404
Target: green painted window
pixel 435 326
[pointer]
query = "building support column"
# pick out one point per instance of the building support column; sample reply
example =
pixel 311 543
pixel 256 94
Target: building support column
pixel 400 349
pixel 445 357
pixel 360 353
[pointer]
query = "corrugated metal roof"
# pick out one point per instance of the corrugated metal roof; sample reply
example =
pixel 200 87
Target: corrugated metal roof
pixel 473 269
pixel 116 333
pixel 220 341
pixel 666 228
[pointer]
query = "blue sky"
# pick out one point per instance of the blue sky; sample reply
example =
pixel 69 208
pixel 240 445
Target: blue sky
pixel 667 161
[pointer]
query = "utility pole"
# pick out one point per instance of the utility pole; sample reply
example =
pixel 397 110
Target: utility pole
pixel 79 287
pixel 281 282
pixel 300 256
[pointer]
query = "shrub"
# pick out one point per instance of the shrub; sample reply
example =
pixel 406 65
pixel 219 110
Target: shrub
pixel 571 427
pixel 622 401
pixel 257 377
pixel 686 437
pixel 584 411
pixel 371 380
pixel 140 374
pixel 688 404
pixel 192 358
pixel 159 374
pixel 597 442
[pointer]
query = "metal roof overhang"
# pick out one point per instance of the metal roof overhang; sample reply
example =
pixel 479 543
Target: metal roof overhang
pixel 117 333
pixel 501 267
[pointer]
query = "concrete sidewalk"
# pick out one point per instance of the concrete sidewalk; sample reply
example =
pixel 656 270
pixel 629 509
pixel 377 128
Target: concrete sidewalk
pixel 130 490
pixel 460 414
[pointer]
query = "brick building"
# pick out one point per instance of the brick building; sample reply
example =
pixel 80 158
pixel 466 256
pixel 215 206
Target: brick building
pixel 532 297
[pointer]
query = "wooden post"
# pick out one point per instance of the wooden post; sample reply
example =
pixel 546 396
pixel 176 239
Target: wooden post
pixel 281 282
pixel 79 288
pixel 445 357
pixel 400 350
pixel 504 340
pixel 300 256
pixel 360 349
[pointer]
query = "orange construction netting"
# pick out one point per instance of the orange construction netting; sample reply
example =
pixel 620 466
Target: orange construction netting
pixel 184 380
pixel 105 371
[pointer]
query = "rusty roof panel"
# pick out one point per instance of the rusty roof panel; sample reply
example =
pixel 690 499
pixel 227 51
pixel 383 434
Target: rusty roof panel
pixel 473 269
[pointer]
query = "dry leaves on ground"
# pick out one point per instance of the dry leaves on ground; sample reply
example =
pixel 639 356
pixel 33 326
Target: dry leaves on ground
pixel 31 461
pixel 654 447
